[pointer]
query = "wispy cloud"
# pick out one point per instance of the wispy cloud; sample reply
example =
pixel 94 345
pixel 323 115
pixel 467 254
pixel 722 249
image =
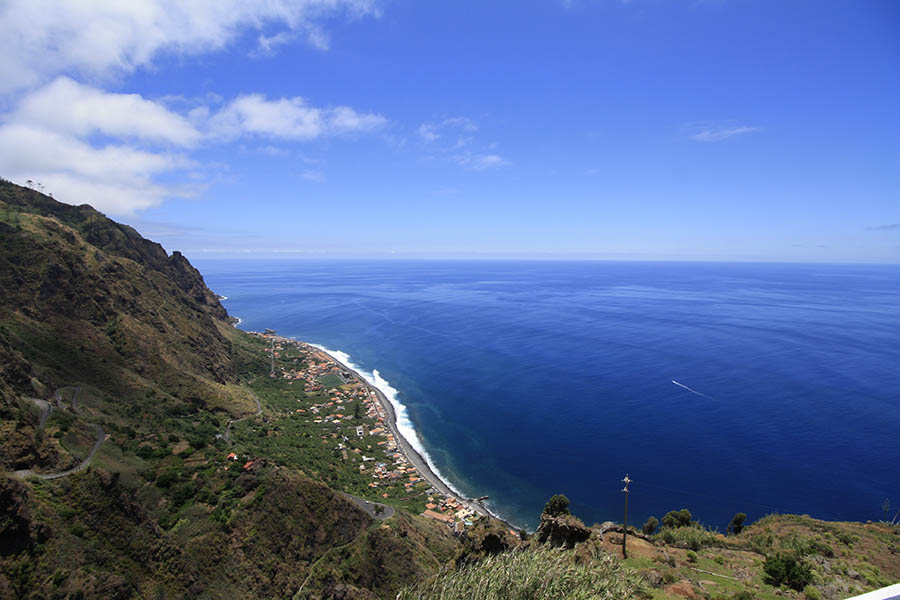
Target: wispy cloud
pixel 455 138
pixel 480 162
pixel 716 133
pixel 888 227
pixel 314 176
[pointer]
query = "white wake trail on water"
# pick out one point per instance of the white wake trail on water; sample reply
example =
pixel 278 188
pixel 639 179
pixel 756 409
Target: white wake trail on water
pixel 693 391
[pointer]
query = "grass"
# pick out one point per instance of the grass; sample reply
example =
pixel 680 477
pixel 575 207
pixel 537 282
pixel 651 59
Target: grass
pixel 534 574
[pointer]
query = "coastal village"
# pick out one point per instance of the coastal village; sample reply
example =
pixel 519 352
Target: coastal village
pixel 351 420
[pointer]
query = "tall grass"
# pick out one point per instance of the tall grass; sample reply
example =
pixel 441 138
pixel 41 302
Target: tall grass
pixel 535 574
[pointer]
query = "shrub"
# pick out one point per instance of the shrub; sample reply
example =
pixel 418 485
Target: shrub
pixel 168 478
pixel 737 523
pixel 677 518
pixel 650 526
pixel 693 538
pixel 787 569
pixel 691 556
pixel 811 593
pixel 557 505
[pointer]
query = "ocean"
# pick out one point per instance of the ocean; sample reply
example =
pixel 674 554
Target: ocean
pixel 717 387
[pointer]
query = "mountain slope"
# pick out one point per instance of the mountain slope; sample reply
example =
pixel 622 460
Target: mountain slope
pixel 102 330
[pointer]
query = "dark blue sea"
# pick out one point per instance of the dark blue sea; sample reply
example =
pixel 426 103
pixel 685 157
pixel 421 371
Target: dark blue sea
pixel 525 379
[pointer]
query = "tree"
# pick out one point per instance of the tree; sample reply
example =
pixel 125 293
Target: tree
pixel 737 523
pixel 677 518
pixel 787 569
pixel 557 505
pixel 650 526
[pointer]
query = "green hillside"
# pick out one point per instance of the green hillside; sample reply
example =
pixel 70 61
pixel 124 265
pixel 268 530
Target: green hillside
pixel 107 329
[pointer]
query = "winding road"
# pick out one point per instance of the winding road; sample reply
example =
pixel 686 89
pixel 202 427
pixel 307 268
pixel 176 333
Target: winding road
pixel 369 507
pixel 227 434
pixel 101 436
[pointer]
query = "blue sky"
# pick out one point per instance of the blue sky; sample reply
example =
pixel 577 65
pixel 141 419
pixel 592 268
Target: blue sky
pixel 647 129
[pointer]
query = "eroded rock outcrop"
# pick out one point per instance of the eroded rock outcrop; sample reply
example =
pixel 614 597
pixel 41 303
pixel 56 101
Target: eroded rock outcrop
pixel 561 531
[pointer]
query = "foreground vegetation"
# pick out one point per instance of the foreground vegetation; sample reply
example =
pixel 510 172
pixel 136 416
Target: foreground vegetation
pixel 537 572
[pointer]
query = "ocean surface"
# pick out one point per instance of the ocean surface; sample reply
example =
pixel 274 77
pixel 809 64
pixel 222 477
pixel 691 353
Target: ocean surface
pixel 720 388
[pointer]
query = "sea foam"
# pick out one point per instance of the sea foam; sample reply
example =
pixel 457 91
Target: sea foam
pixel 404 424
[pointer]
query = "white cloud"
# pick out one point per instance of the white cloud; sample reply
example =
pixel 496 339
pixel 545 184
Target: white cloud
pixel 112 150
pixel 288 118
pixel 68 107
pixel 40 39
pixel 48 137
pixel 113 178
pixel 713 133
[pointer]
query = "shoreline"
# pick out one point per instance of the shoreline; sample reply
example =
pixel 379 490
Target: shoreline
pixel 406 448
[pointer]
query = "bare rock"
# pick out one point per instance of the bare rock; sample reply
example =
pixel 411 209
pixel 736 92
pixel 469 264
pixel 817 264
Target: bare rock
pixel 561 531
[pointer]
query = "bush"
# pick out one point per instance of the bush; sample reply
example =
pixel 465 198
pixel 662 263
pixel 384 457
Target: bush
pixel 811 593
pixel 168 478
pixel 677 518
pixel 181 493
pixel 737 523
pixel 693 538
pixel 787 569
pixel 557 505
pixel 650 526
pixel 691 556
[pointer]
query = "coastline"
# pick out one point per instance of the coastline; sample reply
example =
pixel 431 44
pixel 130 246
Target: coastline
pixel 406 448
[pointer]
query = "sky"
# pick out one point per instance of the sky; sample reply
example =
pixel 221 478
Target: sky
pixel 550 129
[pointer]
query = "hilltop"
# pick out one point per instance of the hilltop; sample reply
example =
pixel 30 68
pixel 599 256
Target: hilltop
pixel 151 449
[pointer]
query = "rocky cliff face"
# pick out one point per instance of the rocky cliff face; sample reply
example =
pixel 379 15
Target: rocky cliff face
pixel 103 296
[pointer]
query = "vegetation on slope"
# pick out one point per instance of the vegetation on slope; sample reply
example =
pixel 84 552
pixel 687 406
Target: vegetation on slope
pixel 105 328
pixel 534 573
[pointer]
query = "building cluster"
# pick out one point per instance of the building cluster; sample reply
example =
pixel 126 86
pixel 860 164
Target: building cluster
pixel 353 399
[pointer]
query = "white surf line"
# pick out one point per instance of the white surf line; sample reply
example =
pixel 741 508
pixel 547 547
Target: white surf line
pixel 693 391
pixel 404 424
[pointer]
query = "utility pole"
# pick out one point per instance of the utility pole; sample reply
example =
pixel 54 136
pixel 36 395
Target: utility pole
pixel 627 481
pixel 272 374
